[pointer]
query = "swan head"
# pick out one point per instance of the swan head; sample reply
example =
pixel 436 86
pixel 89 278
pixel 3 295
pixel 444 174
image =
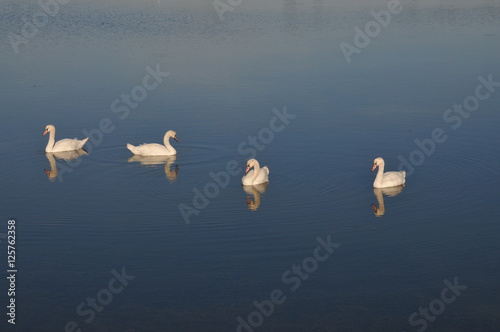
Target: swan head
pixel 250 164
pixel 48 129
pixel 172 134
pixel 377 162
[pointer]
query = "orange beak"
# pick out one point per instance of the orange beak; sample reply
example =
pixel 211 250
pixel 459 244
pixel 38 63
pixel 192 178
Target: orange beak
pixel 44 132
pixel 247 169
pixel 374 166
pixel 175 137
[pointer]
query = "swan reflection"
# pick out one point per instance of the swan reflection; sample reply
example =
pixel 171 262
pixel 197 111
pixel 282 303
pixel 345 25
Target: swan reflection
pixel 379 194
pixel 170 173
pixel 255 191
pixel 68 156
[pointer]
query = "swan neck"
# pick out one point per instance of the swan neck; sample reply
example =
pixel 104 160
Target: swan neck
pixel 51 142
pixel 380 176
pixel 380 170
pixel 166 142
pixel 256 170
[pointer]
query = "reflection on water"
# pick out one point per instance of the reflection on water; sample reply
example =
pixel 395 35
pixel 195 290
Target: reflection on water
pixel 224 78
pixel 64 155
pixel 379 194
pixel 170 173
pixel 255 191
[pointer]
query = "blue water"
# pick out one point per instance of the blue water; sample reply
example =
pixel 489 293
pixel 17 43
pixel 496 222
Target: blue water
pixel 268 81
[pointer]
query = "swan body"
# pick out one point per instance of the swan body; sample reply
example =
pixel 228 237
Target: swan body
pixel 255 176
pixel 388 179
pixel 154 149
pixel 66 144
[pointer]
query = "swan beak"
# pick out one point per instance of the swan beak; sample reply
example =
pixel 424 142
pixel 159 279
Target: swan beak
pixel 175 137
pixel 374 208
pixel 44 132
pixel 373 167
pixel 247 169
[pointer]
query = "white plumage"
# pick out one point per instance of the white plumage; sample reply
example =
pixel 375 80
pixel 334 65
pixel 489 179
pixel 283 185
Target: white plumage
pixel 154 149
pixel 66 144
pixel 255 176
pixel 388 179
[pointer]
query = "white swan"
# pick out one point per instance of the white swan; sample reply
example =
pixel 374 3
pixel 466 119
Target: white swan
pixel 388 179
pixel 257 175
pixel 154 149
pixel 66 144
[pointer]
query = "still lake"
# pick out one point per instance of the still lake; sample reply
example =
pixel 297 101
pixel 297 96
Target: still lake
pixel 106 242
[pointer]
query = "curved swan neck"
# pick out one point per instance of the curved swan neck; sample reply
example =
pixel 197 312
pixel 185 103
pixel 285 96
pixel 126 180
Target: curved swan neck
pixel 166 142
pixel 51 142
pixel 256 169
pixel 380 170
pixel 380 174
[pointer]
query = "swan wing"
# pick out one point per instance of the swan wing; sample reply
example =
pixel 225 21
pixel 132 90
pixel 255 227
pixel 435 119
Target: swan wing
pixel 68 144
pixel 263 176
pixel 151 149
pixel 392 179
pixel 246 180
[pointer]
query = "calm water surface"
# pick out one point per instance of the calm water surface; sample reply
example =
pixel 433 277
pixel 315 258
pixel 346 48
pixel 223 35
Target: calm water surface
pixel 103 211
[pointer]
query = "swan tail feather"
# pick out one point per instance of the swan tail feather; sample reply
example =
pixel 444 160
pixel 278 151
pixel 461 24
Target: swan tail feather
pixel 83 141
pixel 131 147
